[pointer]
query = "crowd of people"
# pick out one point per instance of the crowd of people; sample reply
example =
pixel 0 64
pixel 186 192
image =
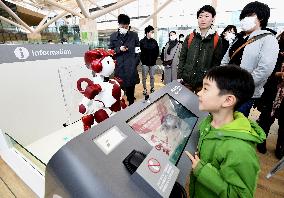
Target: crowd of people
pixel 230 73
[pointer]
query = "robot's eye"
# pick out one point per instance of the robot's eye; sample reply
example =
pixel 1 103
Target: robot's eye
pixel 107 62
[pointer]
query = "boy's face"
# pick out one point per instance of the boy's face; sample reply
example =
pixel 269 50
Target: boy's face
pixel 205 20
pixel 209 98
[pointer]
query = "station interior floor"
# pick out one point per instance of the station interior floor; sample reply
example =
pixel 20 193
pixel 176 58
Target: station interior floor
pixel 12 186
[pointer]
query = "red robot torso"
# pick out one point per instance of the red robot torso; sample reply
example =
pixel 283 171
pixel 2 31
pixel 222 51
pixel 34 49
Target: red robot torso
pixel 102 96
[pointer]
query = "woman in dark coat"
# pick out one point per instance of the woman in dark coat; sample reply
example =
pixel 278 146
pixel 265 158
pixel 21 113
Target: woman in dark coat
pixel 265 104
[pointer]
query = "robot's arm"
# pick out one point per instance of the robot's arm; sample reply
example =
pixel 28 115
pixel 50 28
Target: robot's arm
pixel 90 92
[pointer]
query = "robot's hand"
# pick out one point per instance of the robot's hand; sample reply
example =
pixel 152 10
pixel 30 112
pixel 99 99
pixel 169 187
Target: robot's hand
pixel 91 90
pixel 119 80
pixel 82 109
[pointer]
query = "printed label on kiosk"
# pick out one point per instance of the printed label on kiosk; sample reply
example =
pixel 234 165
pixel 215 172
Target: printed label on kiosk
pixel 156 174
pixel 110 139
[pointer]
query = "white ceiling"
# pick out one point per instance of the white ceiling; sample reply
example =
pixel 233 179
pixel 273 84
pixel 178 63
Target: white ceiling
pixel 177 13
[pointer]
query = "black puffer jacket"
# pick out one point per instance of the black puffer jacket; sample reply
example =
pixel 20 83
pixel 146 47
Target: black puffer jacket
pixel 149 51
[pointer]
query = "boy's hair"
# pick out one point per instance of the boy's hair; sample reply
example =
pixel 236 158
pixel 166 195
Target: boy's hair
pixel 234 80
pixel 261 10
pixel 123 19
pixel 207 8
pixel 148 29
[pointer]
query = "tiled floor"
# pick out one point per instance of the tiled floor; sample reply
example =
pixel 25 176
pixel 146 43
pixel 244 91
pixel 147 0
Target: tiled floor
pixel 12 186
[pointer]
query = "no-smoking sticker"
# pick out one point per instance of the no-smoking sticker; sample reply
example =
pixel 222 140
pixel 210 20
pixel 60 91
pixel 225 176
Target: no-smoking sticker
pixel 154 165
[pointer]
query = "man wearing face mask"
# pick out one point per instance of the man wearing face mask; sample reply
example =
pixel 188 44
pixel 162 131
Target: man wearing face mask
pixel 200 51
pixel 125 43
pixel 255 49
pixel 149 54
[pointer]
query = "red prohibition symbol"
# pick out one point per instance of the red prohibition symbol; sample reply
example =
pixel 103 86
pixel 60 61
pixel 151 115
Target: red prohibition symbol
pixel 154 165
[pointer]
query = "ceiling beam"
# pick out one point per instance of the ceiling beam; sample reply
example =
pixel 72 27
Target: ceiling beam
pixel 51 2
pixel 83 9
pixel 16 17
pixel 42 21
pixel 154 14
pixel 110 8
pixel 51 21
pixel 13 23
pixel 101 7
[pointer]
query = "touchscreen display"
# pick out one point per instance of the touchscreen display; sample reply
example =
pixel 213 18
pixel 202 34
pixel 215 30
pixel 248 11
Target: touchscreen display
pixel 166 125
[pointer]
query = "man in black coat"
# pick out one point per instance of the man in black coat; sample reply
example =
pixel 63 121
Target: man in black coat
pixel 149 54
pixel 125 43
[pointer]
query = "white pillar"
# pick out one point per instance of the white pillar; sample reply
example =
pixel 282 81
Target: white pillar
pixel 155 19
pixel 88 31
pixel 214 4
pixel 34 37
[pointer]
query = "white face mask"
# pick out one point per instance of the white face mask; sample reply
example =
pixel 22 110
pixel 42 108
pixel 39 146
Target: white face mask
pixel 248 23
pixel 123 30
pixel 230 36
pixel 181 39
pixel 173 37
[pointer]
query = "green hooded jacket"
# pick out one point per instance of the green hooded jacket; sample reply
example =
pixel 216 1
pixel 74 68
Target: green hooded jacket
pixel 228 165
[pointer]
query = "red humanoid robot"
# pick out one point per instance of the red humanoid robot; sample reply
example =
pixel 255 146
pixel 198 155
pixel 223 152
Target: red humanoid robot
pixel 102 96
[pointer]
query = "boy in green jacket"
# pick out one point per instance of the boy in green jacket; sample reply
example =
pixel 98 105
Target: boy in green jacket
pixel 226 164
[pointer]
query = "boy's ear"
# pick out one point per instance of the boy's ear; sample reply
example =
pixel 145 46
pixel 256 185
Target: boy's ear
pixel 230 101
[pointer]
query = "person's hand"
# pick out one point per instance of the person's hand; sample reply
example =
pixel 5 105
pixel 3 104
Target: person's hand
pixel 282 53
pixel 194 159
pixel 123 48
pixel 180 80
pixel 280 74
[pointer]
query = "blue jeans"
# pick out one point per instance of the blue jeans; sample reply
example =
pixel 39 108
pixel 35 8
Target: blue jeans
pixel 151 70
pixel 245 107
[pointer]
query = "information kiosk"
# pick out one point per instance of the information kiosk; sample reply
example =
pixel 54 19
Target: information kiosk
pixel 91 165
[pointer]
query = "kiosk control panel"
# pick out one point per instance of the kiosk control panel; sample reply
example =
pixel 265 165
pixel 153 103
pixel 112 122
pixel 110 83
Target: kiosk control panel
pixel 91 165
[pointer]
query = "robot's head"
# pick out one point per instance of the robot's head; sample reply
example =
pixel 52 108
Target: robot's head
pixel 100 61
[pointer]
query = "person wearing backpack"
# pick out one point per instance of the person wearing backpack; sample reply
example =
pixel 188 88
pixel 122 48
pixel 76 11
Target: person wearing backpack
pixel 201 50
pixel 255 49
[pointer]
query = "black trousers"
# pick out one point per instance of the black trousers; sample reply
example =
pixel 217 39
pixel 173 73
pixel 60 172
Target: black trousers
pixel 280 139
pixel 266 120
pixel 129 91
